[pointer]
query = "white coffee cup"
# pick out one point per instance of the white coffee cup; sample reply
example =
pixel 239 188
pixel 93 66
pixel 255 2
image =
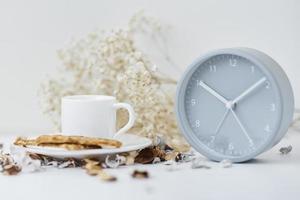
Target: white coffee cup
pixel 93 115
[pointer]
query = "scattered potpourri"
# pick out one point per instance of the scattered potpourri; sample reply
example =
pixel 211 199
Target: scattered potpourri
pixel 19 160
pixel 285 150
pixel 159 152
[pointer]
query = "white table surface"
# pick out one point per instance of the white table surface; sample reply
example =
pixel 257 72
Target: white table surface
pixel 270 176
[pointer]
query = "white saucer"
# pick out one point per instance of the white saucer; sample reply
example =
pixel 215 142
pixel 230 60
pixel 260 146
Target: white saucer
pixel 130 142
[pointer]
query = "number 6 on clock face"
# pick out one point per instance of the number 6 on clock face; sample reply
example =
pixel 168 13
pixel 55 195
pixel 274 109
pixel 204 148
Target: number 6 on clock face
pixel 234 104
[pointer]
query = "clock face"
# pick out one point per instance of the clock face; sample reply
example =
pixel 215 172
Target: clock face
pixel 231 105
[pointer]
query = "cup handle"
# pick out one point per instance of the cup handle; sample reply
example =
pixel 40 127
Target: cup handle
pixel 131 119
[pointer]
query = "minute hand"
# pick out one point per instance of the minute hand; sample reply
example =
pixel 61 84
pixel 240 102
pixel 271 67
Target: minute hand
pixel 249 90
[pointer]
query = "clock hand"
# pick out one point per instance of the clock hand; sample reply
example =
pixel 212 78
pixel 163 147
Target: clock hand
pixel 221 122
pixel 242 127
pixel 213 92
pixel 249 90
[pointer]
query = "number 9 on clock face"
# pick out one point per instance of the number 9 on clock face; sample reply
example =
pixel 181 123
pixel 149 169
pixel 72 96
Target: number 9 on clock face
pixel 234 104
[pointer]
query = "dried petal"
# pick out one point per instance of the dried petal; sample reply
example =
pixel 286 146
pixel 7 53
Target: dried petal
pixel 129 160
pixel 285 150
pixel 130 156
pixel 106 177
pixel 140 174
pixel 30 165
pixel 11 169
pixel 171 155
pixel 182 157
pixel 93 170
pixel 198 163
pixel 35 156
pixel 92 167
pixel 156 160
pixel 169 162
pixel 158 152
pixel 226 163
pixel 68 164
pixel 51 164
pixel 113 162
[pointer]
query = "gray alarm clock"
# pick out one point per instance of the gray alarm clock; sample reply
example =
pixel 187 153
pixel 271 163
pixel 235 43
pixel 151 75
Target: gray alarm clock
pixel 234 104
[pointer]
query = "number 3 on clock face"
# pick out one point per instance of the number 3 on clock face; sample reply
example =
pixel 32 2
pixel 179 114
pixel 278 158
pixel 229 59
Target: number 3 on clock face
pixel 234 104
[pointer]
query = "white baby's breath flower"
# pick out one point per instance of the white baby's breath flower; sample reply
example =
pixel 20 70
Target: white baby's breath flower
pixel 110 64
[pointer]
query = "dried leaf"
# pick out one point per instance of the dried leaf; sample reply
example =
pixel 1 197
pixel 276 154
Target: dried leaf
pixel 147 155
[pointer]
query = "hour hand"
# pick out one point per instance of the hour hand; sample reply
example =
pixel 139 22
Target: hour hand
pixel 213 92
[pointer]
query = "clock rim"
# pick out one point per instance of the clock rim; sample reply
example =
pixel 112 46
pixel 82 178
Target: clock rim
pixel 286 92
pixel 180 108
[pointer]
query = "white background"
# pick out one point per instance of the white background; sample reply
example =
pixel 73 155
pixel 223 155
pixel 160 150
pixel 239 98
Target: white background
pixel 31 32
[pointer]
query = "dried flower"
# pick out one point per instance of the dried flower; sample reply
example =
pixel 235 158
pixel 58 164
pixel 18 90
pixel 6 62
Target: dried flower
pixel 111 64
pixel 285 150
pixel 140 174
